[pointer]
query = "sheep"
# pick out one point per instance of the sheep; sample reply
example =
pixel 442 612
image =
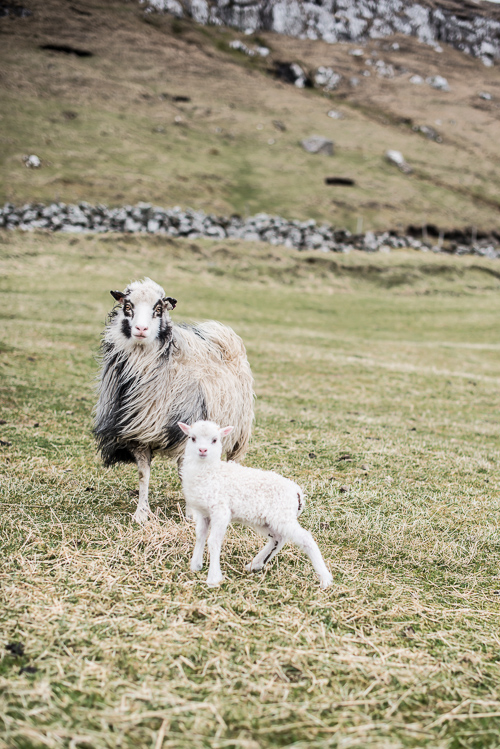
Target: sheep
pixel 218 493
pixel 155 373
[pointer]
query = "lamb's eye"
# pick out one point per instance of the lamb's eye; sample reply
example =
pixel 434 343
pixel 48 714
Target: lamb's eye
pixel 127 308
pixel 157 311
pixel 214 440
pixel 193 439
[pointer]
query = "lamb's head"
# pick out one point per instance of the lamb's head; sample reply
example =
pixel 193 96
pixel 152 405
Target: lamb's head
pixel 204 440
pixel 142 316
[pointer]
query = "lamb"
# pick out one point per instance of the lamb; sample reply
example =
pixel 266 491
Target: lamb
pixel 155 373
pixel 219 492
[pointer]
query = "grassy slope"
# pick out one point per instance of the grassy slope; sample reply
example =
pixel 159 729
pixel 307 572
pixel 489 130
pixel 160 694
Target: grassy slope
pixel 392 360
pixel 125 145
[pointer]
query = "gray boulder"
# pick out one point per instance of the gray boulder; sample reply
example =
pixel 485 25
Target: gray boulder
pixel 318 144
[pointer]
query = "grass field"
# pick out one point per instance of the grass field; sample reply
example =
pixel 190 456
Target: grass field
pixel 377 389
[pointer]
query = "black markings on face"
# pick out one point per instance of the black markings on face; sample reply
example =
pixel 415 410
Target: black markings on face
pixel 126 329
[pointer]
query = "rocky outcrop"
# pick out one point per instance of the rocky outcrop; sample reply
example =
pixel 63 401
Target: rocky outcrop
pixel 469 26
pixel 301 235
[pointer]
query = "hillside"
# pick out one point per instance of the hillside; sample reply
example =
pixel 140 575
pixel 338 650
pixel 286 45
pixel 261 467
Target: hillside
pixel 156 108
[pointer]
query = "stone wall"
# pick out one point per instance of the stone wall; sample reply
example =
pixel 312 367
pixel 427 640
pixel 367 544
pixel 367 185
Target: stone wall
pixel 301 235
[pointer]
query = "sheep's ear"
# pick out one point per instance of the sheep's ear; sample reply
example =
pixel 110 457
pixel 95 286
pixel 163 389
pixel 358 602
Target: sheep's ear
pixel 169 302
pixel 185 427
pixel 225 431
pixel 118 295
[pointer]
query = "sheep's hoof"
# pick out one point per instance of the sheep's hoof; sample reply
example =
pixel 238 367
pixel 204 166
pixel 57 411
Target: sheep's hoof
pixel 196 566
pixel 251 567
pixel 326 581
pixel 140 516
pixel 215 582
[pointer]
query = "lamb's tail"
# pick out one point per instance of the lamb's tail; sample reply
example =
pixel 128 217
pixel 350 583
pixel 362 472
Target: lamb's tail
pixel 301 502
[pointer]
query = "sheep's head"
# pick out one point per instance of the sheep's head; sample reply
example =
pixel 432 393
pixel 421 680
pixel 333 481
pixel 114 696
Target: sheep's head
pixel 204 439
pixel 143 313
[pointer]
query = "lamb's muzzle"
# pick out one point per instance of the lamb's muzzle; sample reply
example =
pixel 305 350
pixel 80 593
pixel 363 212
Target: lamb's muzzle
pixel 219 492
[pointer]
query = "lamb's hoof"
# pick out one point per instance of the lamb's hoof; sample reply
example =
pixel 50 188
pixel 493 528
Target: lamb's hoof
pixel 251 567
pixel 214 582
pixel 326 581
pixel 140 516
pixel 196 567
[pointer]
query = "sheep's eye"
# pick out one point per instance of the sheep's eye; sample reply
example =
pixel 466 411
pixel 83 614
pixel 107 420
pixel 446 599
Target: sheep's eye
pixel 127 307
pixel 157 311
pixel 214 440
pixel 193 439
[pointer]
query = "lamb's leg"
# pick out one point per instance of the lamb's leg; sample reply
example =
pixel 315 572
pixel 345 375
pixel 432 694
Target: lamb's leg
pixel 306 542
pixel 218 526
pixel 202 528
pixel 142 457
pixel 265 555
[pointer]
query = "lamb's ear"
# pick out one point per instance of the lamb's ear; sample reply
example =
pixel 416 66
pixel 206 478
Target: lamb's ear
pixel 225 431
pixel 169 302
pixel 118 295
pixel 185 427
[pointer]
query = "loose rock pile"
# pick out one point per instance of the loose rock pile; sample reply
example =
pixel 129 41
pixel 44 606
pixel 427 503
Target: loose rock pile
pixel 175 222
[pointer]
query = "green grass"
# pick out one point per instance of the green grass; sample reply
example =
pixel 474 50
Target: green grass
pixel 389 360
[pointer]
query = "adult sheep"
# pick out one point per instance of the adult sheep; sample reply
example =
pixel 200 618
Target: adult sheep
pixel 156 373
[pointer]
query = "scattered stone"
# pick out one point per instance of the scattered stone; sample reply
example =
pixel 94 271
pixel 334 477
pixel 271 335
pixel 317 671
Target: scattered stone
pixel 485 95
pixel 242 47
pixel 318 144
pixel 438 82
pixel 335 115
pixel 429 132
pixel 356 52
pixel 417 80
pixel 327 78
pixel 365 467
pixel 291 72
pixel 312 455
pixel 4 443
pixel 397 158
pixel 32 162
pixel 344 489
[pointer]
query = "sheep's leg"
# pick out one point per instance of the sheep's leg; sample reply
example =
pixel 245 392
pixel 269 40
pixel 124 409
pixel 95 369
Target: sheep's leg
pixel 218 527
pixel 274 545
pixel 306 542
pixel 187 511
pixel 202 528
pixel 142 457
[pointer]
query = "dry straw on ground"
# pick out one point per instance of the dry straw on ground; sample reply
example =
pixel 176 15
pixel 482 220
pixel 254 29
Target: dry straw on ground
pixel 375 375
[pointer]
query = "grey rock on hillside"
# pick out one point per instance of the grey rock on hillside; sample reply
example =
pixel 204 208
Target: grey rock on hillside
pixel 472 28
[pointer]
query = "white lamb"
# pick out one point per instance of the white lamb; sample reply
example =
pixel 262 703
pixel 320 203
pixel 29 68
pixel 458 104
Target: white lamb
pixel 218 493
